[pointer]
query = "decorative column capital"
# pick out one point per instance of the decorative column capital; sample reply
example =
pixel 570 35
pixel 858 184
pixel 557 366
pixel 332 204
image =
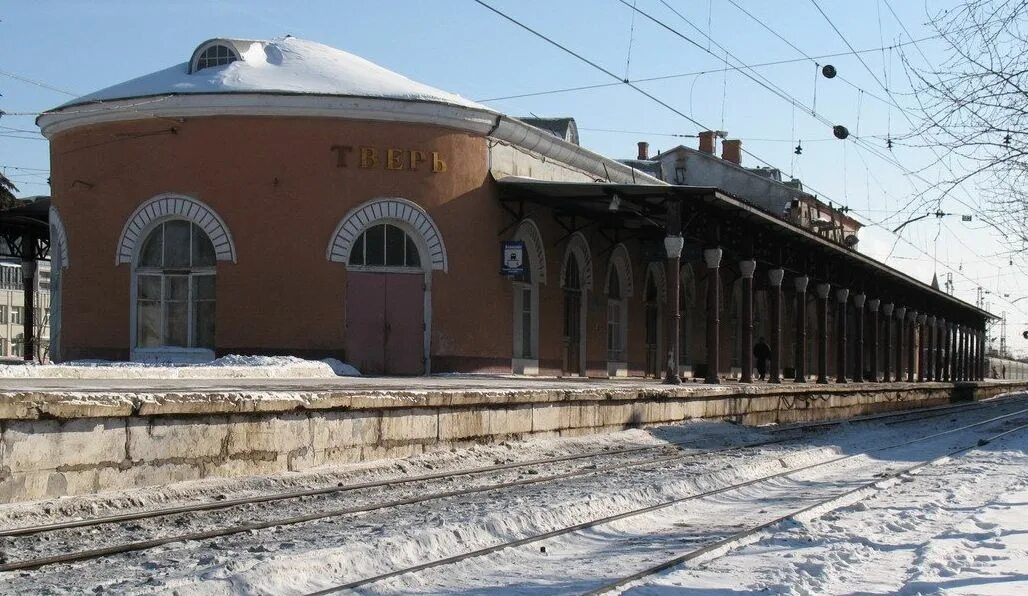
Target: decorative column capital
pixel 931 321
pixel 900 312
pixel 776 276
pixel 858 300
pixel 823 290
pixel 712 256
pixel 673 245
pixel 887 308
pixel 921 318
pixel 747 268
pixel 873 304
pixel 801 284
pixel 911 315
pixel 842 295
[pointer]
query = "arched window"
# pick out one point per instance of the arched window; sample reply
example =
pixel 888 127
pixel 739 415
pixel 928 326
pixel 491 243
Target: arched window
pixel 175 287
pixel 384 245
pixel 615 314
pixel 215 55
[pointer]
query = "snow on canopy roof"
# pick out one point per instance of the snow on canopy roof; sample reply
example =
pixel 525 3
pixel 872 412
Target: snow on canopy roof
pixel 288 66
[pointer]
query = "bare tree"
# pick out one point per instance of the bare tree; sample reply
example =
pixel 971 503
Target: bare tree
pixel 7 190
pixel 974 108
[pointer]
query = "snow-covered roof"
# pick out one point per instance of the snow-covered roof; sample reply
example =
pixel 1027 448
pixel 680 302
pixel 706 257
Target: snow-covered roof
pixel 287 65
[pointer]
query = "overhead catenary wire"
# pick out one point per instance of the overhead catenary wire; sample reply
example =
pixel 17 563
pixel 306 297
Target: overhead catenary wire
pixel 591 63
pixel 687 74
pixel 41 84
pixel 893 103
pixel 880 83
pixel 641 91
pixel 755 77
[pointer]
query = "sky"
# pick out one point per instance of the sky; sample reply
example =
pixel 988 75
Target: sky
pixel 56 50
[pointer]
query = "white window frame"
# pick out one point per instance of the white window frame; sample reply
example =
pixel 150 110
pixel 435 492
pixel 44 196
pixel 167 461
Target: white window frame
pixel 232 57
pixel 408 232
pixel 164 353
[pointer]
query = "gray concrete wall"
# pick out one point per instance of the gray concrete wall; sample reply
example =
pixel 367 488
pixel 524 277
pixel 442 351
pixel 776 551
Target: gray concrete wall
pixel 62 444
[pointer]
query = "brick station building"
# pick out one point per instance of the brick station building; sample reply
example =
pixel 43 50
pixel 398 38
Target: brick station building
pixel 284 197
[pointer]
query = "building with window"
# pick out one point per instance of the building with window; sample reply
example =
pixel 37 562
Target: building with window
pixel 12 310
pixel 284 197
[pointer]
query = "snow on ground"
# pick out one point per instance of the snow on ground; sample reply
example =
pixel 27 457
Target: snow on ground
pixel 937 529
pixel 960 528
pixel 232 366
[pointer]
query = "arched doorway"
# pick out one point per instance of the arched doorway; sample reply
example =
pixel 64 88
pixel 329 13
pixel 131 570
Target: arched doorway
pixel 618 290
pixel 390 247
pixel 575 282
pixel 686 325
pixel 385 316
pixel 572 317
pixel 652 299
pixel 525 316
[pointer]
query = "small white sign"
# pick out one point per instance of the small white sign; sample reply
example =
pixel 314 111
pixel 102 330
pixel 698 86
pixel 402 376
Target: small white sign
pixel 513 258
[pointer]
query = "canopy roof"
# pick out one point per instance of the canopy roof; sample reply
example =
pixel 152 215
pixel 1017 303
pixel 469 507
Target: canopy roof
pixel 30 221
pixel 641 209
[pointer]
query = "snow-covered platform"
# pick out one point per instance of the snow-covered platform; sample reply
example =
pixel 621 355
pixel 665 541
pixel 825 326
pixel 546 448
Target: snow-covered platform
pixel 64 436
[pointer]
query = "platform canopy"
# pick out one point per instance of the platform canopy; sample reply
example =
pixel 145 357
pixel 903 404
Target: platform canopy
pixel 25 231
pixel 25 234
pixel 710 217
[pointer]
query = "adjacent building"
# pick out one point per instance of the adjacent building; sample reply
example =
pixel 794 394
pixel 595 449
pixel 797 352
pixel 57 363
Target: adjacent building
pixel 12 310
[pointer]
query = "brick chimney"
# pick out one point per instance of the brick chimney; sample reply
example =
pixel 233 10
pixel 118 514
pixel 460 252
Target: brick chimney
pixel 731 150
pixel 644 150
pixel 707 141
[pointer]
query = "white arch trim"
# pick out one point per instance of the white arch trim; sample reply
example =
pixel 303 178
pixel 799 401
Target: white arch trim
pixel 578 245
pixel 528 232
pixel 173 206
pixel 58 237
pixel 383 210
pixel 623 266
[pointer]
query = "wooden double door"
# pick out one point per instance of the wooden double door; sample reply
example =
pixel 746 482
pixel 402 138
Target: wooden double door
pixel 385 322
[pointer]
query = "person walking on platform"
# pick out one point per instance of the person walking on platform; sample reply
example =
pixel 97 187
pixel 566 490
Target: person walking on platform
pixel 762 353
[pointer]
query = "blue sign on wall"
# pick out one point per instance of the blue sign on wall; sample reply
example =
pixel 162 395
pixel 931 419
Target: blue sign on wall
pixel 512 261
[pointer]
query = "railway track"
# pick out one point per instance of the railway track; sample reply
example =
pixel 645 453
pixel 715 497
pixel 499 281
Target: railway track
pixel 139 545
pixel 849 497
pixel 676 501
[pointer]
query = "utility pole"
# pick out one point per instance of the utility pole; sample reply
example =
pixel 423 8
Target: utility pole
pixel 949 283
pixel 1003 335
